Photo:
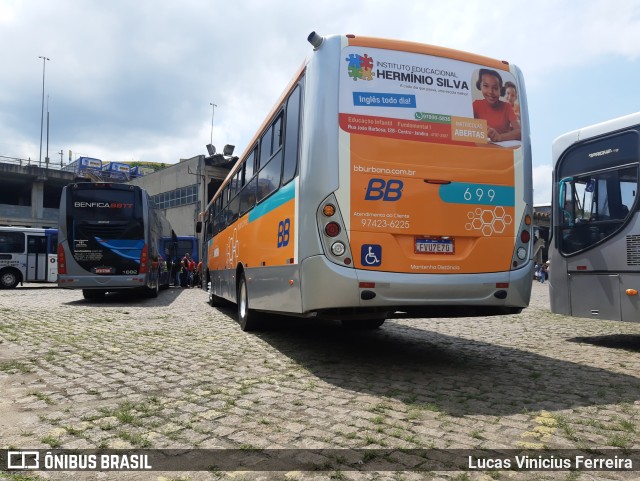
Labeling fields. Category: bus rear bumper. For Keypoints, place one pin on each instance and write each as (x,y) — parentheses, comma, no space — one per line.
(327,285)
(106,283)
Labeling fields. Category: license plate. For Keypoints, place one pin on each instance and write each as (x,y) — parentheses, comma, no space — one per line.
(434,246)
(103,270)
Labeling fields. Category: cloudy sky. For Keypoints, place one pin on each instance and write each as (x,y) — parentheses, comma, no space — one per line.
(133,80)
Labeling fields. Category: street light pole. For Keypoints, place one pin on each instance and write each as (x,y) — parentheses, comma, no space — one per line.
(44,60)
(46,158)
(213,109)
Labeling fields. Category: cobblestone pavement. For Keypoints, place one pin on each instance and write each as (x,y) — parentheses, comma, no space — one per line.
(173,372)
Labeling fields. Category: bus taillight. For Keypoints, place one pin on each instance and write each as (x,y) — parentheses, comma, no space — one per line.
(144,259)
(525,236)
(62,264)
(332,229)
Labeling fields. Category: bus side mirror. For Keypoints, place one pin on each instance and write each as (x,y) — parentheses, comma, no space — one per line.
(198,227)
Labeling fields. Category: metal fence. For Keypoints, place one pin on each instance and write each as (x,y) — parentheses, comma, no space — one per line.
(32,162)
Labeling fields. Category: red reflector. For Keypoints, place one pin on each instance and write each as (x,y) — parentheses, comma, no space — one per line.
(62,262)
(332,229)
(502,285)
(347,261)
(367,285)
(581,268)
(525,236)
(143,259)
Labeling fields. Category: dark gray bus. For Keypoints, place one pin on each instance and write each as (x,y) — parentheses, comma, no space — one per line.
(110,238)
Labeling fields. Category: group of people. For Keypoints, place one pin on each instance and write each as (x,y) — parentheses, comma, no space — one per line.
(187,273)
(542,272)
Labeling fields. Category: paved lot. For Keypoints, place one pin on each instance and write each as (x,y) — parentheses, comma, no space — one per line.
(174,373)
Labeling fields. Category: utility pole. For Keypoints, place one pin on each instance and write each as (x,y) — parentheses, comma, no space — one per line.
(44,63)
(213,109)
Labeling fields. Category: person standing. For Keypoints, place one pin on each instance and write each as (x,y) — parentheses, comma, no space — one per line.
(543,271)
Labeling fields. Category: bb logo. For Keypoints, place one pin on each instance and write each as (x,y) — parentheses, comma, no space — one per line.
(388,191)
(371,255)
(284,228)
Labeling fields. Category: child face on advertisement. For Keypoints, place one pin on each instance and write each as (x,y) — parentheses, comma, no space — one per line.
(490,88)
(510,95)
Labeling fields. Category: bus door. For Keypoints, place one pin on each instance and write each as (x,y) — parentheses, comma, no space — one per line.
(37,262)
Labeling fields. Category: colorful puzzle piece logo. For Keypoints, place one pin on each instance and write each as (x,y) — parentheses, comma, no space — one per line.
(360,67)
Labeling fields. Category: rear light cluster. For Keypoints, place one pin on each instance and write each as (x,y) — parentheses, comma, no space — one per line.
(332,232)
(144,260)
(62,261)
(523,248)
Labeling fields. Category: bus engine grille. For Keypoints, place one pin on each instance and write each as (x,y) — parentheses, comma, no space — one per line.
(633,250)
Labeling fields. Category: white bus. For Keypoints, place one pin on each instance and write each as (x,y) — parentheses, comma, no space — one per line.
(595,246)
(389,176)
(27,255)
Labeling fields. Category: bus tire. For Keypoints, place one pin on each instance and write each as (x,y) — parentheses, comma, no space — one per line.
(246,316)
(9,278)
(152,292)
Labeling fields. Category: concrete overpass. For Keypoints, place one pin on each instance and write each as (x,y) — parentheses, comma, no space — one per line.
(30,195)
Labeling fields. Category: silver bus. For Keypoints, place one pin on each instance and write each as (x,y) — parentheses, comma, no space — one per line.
(594,248)
(110,240)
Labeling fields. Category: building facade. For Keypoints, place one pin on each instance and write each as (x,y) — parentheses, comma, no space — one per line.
(184,189)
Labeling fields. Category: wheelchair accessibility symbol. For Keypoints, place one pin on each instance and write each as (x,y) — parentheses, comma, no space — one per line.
(371,255)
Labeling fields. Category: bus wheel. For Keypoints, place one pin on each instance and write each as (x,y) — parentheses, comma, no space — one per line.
(246,316)
(8,279)
(152,292)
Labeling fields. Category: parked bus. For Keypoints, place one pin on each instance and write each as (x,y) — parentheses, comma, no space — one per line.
(372,187)
(110,240)
(27,255)
(595,246)
(183,244)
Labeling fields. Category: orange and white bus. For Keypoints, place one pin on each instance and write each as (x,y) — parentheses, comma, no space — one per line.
(389,176)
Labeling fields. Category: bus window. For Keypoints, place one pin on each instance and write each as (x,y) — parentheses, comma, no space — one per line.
(265,147)
(249,166)
(270,172)
(595,207)
(291,137)
(248,196)
(12,242)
